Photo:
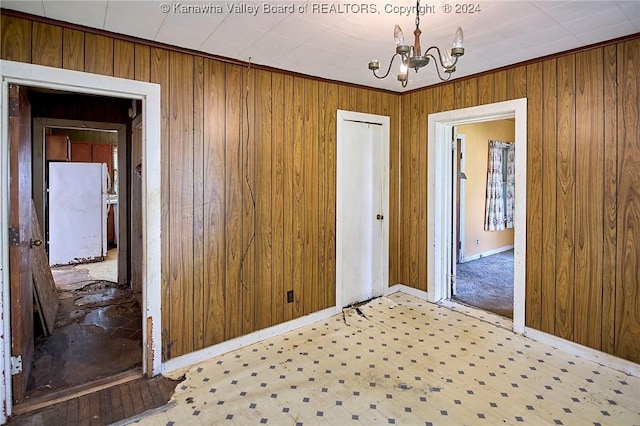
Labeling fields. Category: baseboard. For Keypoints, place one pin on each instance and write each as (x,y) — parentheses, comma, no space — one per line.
(486,253)
(420,294)
(584,352)
(185,361)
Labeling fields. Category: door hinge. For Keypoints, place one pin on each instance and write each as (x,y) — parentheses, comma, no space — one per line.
(452,279)
(453,145)
(14,236)
(16,365)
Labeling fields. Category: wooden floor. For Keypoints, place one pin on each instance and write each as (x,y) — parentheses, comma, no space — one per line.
(106,406)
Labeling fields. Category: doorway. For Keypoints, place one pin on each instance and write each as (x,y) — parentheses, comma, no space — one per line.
(482,269)
(148,96)
(81,200)
(362,230)
(441,212)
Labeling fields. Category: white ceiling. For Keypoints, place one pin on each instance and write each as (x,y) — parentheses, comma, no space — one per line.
(339,45)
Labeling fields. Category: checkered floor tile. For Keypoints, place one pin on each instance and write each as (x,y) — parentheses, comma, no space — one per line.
(400,360)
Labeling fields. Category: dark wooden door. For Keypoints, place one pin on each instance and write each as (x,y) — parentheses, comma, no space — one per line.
(21,287)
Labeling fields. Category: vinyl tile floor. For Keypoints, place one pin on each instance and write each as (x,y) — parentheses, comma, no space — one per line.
(401,360)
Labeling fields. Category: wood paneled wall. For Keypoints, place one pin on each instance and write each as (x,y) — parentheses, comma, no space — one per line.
(248,179)
(248,184)
(583,189)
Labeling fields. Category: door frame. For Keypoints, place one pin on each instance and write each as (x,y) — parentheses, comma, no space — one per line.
(383,121)
(462,186)
(440,203)
(79,82)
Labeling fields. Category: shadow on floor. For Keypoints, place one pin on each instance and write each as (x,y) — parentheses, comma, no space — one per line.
(487,283)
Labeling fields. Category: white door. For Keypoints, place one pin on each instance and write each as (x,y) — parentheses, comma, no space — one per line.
(362,185)
(77,212)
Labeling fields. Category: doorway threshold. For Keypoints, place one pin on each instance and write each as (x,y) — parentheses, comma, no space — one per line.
(55,397)
(470,311)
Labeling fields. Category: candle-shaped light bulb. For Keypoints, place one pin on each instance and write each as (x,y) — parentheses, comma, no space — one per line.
(398,35)
(457,49)
(447,59)
(458,39)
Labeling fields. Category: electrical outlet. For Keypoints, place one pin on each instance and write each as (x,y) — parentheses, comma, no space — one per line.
(290,296)
(477,242)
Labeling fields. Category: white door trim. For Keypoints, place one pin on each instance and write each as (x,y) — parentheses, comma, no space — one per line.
(343,116)
(79,82)
(463,193)
(439,256)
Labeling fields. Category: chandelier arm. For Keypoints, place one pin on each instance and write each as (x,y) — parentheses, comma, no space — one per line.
(435,64)
(388,69)
(437,49)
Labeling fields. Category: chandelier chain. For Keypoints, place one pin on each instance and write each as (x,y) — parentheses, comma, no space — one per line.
(418,14)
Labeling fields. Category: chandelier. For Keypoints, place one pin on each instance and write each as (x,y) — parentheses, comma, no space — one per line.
(412,56)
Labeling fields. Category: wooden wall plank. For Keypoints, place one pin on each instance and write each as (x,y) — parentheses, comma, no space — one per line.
(414,187)
(534,196)
(288,217)
(517,82)
(565,207)
(214,203)
(47,45)
(124,59)
(265,298)
(159,73)
(405,191)
(628,220)
(278,288)
(201,287)
(73,49)
(98,54)
(485,89)
(233,214)
(610,199)
(249,231)
(298,197)
(424,102)
(589,197)
(142,60)
(180,187)
(323,281)
(331,161)
(16,39)
(549,193)
(500,86)
(311,194)
(469,92)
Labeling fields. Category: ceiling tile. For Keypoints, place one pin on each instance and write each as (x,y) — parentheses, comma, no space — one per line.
(124,18)
(33,7)
(604,18)
(631,9)
(89,13)
(614,31)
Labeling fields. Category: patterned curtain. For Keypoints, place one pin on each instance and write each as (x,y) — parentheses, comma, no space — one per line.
(511,184)
(495,215)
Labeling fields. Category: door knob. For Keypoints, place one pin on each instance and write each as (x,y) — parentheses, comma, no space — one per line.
(36,243)
(379,216)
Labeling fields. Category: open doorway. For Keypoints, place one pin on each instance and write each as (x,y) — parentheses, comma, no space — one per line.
(81,185)
(80,200)
(441,230)
(483,258)
(147,96)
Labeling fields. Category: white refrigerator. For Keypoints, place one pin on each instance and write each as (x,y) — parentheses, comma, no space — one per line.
(77,212)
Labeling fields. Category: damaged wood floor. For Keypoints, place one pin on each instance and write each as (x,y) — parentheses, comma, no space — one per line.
(104,407)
